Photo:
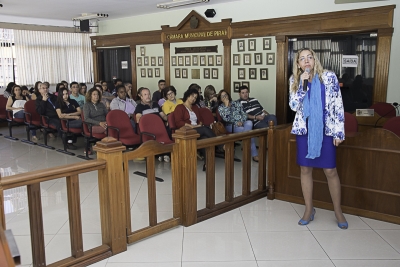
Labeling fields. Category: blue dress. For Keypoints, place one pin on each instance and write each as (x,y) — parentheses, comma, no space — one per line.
(327,158)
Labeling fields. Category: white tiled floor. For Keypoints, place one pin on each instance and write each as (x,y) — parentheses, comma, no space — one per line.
(263,233)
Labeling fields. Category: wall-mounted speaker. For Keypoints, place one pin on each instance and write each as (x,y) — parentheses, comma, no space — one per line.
(210,13)
(84,25)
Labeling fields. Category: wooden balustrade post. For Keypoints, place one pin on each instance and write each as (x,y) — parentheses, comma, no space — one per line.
(186,150)
(271,161)
(112,195)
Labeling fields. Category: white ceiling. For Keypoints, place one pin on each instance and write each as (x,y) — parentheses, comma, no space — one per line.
(68,9)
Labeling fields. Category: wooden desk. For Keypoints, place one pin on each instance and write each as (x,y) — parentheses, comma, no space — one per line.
(366,123)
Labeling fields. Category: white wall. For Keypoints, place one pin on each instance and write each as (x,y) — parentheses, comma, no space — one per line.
(246,10)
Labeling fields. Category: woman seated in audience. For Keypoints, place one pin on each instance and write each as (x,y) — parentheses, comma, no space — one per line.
(82,89)
(7,91)
(36,88)
(122,102)
(162,99)
(106,95)
(200,101)
(69,109)
(233,115)
(188,114)
(16,102)
(27,94)
(210,98)
(95,111)
(171,102)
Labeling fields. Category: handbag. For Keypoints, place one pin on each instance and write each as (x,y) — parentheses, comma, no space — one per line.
(218,128)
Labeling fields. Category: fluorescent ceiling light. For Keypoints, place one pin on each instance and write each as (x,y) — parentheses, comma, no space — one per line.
(91,16)
(176,3)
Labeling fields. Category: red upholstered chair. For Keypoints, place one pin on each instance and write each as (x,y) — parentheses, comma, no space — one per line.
(32,119)
(48,128)
(152,128)
(171,122)
(67,131)
(350,123)
(12,122)
(89,136)
(119,127)
(393,125)
(383,109)
(3,103)
(207,116)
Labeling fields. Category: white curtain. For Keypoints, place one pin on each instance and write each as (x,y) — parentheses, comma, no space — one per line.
(7,57)
(366,52)
(53,57)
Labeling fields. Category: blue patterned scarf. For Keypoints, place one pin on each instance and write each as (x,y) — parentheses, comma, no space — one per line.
(313,111)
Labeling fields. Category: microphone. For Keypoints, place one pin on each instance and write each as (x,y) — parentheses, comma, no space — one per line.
(305,83)
(395,104)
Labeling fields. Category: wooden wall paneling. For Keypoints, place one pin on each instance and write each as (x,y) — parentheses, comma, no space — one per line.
(167,66)
(227,64)
(282,87)
(134,70)
(125,39)
(382,64)
(95,65)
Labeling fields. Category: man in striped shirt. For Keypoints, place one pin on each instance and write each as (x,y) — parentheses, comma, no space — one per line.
(254,110)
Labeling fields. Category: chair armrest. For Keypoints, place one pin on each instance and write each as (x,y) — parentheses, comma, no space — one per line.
(146,133)
(66,124)
(113,128)
(29,115)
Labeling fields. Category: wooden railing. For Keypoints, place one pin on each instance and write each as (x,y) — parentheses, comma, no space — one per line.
(6,259)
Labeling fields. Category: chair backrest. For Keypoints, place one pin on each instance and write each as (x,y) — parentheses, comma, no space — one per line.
(383,109)
(119,119)
(3,104)
(350,123)
(171,121)
(393,125)
(207,116)
(153,124)
(31,115)
(85,127)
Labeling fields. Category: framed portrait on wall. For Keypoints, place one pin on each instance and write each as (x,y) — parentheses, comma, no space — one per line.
(203,61)
(270,58)
(157,72)
(241,46)
(252,44)
(253,73)
(206,73)
(266,43)
(146,61)
(139,61)
(210,60)
(214,73)
(263,74)
(187,61)
(160,61)
(143,73)
(142,51)
(173,61)
(258,58)
(236,59)
(246,84)
(185,73)
(195,73)
(180,60)
(241,73)
(195,60)
(150,73)
(246,59)
(218,60)
(177,73)
(153,61)
(236,86)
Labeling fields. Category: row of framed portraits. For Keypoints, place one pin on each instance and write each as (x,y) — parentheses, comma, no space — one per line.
(150,72)
(252,45)
(195,60)
(208,73)
(236,86)
(253,73)
(150,61)
(257,57)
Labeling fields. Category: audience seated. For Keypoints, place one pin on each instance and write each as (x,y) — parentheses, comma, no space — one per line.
(162,99)
(171,102)
(122,102)
(45,106)
(117,82)
(106,96)
(7,92)
(82,89)
(128,88)
(200,102)
(69,109)
(232,113)
(80,99)
(95,111)
(210,98)
(27,94)
(147,106)
(157,94)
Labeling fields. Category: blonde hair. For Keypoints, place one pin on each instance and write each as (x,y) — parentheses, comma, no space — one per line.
(297,71)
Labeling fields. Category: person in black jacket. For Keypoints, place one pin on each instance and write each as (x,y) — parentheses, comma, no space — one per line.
(46,106)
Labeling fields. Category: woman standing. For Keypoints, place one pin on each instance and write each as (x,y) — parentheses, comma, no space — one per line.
(232,113)
(318,126)
(171,102)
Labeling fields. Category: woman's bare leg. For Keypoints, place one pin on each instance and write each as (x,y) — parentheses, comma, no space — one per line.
(307,188)
(334,188)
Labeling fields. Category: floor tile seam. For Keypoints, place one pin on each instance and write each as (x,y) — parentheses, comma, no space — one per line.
(137,193)
(326,253)
(248,237)
(371,226)
(387,242)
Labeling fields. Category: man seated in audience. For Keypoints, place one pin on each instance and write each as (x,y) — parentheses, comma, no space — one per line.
(157,95)
(117,82)
(147,106)
(122,102)
(75,95)
(254,110)
(46,106)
